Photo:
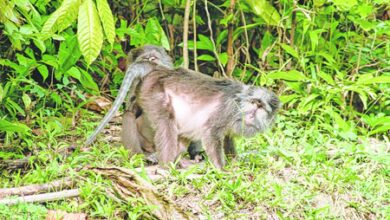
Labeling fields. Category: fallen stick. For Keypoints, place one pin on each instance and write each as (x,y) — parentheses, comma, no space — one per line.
(15,164)
(56,185)
(46,197)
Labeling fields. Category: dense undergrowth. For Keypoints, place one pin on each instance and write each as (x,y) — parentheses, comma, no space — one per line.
(329,61)
(293,171)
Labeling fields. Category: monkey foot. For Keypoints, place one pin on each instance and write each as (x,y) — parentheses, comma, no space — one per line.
(151,159)
(198,158)
(185,163)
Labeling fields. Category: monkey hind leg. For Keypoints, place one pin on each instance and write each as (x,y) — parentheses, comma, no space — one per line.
(214,150)
(130,135)
(166,140)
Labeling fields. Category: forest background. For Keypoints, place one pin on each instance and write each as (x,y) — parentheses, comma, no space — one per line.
(329,60)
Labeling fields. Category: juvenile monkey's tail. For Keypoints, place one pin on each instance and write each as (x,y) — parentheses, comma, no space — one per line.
(134,73)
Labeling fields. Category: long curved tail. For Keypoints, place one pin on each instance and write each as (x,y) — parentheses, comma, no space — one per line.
(134,72)
(115,107)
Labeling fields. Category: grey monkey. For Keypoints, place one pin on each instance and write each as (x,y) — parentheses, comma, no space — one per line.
(184,105)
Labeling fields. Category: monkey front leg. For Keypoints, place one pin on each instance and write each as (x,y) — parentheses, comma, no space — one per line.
(214,150)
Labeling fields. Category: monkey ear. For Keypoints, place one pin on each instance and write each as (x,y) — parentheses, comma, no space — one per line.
(133,54)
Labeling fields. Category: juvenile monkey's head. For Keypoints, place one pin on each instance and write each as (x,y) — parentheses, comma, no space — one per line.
(257,110)
(151,53)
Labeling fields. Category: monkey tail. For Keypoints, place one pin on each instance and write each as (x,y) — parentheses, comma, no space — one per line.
(134,72)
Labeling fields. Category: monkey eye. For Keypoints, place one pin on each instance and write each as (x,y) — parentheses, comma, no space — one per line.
(257,102)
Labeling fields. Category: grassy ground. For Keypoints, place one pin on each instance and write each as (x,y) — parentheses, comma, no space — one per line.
(293,171)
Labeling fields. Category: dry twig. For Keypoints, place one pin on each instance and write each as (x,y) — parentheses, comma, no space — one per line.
(212,38)
(231,62)
(46,197)
(56,185)
(185,34)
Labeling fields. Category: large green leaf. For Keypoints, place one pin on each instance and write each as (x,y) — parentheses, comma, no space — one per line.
(107,19)
(62,18)
(89,31)
(292,75)
(265,10)
(7,126)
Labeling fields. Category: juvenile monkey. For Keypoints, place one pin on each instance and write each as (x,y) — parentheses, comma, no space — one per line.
(186,105)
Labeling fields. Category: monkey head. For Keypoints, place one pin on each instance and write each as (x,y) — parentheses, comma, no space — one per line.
(150,53)
(257,110)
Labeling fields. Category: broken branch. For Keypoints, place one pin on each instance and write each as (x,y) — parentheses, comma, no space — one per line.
(37,188)
(46,197)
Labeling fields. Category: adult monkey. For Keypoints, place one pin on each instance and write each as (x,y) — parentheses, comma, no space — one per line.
(136,131)
(184,105)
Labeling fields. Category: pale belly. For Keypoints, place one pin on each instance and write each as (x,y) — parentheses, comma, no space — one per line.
(191,116)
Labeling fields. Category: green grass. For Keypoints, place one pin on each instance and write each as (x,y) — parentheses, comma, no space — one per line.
(293,171)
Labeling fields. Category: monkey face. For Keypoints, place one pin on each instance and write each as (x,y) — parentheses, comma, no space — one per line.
(257,109)
(154,54)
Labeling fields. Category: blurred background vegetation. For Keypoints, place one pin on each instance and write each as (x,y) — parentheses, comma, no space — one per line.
(328,59)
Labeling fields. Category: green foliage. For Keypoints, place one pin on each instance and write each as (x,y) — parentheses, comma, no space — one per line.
(265,10)
(89,31)
(332,71)
(330,58)
(107,20)
(62,18)
(327,59)
(294,171)
(23,211)
(152,33)
(13,127)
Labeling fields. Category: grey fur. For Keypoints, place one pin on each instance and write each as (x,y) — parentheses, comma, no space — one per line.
(141,65)
(137,135)
(237,109)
